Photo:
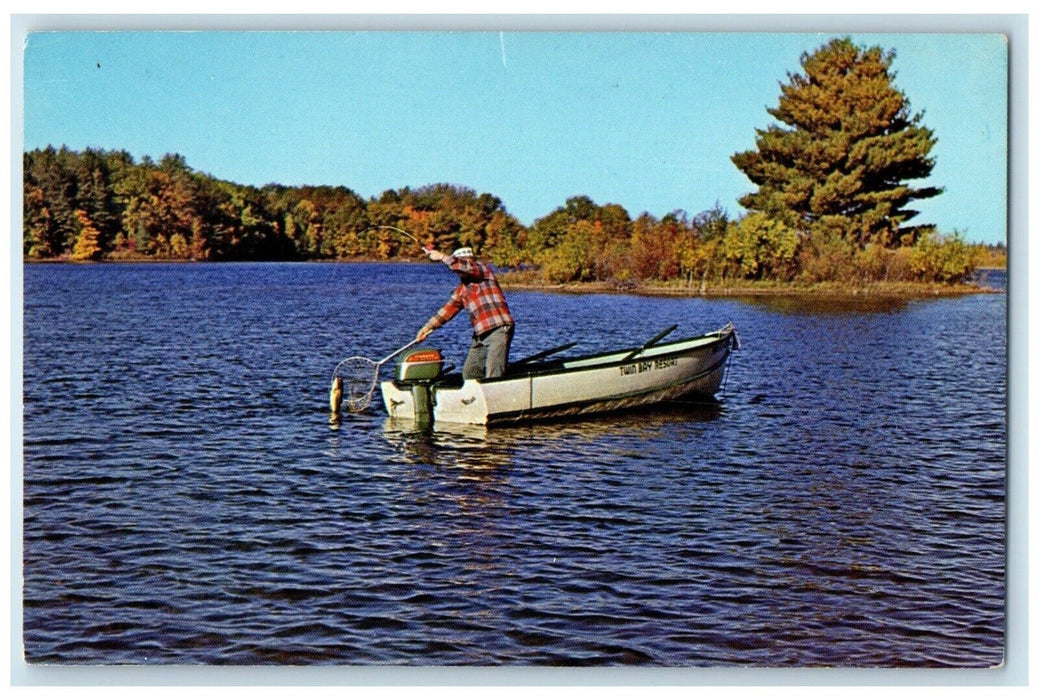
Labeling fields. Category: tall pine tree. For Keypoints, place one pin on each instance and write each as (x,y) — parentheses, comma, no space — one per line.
(840,166)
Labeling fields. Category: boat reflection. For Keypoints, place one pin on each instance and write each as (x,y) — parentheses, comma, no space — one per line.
(480,447)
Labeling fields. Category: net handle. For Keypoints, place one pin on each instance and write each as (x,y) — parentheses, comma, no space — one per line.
(393,354)
(375,365)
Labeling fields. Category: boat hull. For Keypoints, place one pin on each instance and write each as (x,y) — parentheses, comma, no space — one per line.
(581,386)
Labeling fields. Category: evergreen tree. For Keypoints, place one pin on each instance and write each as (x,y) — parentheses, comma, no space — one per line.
(94,194)
(35,224)
(841,167)
(53,215)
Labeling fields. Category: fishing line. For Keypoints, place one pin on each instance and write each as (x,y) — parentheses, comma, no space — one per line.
(335,270)
(355,378)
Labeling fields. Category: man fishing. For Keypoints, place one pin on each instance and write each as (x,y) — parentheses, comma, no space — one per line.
(479,294)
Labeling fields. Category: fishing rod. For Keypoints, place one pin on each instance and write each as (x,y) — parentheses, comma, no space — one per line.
(394,228)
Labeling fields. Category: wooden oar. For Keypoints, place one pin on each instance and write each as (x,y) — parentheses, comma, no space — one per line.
(649,343)
(543,354)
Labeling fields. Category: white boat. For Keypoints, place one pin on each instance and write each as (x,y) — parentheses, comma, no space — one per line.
(536,388)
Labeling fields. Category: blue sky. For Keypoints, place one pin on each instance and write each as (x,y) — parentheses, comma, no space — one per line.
(645,120)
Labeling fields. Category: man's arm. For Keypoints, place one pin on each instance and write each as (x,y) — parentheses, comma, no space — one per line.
(445,314)
(466,266)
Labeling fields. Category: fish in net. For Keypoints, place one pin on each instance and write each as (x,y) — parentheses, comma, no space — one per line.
(356,378)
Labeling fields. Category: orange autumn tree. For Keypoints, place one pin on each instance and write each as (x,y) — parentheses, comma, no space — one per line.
(88,246)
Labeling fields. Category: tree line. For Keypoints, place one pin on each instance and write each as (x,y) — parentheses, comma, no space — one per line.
(102,205)
(833,203)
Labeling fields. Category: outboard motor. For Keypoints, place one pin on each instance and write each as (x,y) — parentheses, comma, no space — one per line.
(418,369)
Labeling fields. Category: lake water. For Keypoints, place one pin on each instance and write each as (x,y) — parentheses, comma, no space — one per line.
(186,500)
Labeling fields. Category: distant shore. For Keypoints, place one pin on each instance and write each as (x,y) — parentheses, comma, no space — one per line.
(743,288)
(528,281)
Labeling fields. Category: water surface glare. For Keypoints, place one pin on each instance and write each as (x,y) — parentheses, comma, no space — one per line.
(187,502)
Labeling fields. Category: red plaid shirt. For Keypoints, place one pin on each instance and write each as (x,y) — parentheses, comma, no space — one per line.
(478,293)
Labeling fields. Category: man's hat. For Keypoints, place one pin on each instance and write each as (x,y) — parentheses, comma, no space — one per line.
(463,253)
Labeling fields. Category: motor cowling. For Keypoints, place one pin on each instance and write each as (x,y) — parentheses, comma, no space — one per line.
(420,365)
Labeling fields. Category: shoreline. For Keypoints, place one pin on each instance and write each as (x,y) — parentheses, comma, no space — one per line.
(513,281)
(830,291)
(878,292)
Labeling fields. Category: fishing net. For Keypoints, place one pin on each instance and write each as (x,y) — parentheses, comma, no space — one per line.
(356,377)
(359,377)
